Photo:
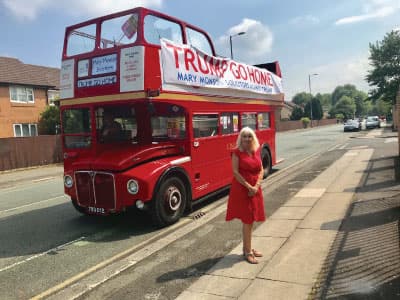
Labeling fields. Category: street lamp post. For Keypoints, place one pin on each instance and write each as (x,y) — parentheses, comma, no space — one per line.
(230,40)
(309,87)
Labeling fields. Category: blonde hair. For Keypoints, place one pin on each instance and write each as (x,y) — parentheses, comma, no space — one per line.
(247,131)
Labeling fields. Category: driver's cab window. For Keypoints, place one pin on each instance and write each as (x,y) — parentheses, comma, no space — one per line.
(115,124)
(168,122)
(156,28)
(198,40)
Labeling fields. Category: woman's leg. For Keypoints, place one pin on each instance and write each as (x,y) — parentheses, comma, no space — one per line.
(247,229)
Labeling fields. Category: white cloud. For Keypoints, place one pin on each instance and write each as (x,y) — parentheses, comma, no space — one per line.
(351,71)
(250,47)
(31,9)
(372,9)
(304,20)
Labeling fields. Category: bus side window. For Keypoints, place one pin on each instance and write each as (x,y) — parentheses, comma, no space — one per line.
(205,125)
(263,121)
(249,120)
(229,123)
(156,28)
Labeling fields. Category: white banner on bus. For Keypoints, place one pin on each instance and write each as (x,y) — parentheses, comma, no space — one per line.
(186,65)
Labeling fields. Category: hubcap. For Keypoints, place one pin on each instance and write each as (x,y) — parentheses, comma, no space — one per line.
(173,198)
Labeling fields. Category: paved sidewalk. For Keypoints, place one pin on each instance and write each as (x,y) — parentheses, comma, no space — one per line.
(295,240)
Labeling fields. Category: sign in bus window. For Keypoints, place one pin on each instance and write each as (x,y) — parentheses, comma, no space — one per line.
(263,121)
(229,123)
(156,28)
(205,125)
(119,31)
(249,120)
(81,40)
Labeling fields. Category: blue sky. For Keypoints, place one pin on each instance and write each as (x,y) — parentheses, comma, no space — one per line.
(327,37)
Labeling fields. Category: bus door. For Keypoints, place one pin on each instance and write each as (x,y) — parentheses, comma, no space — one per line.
(209,157)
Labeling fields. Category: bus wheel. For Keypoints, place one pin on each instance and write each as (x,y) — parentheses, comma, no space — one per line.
(266,162)
(170,202)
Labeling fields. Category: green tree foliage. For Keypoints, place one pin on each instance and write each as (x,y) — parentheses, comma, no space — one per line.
(49,120)
(359,99)
(297,113)
(317,112)
(385,73)
(301,98)
(346,106)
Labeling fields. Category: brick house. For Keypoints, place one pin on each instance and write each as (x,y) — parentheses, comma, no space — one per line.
(25,91)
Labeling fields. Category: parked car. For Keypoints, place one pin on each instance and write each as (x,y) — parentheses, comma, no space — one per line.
(372,122)
(352,125)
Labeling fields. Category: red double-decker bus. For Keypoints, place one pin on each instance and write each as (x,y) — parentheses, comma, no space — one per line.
(150,114)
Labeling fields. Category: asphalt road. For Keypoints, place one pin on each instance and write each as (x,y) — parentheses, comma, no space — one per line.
(47,244)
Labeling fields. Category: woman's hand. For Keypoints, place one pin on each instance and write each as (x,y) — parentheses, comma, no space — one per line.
(253,190)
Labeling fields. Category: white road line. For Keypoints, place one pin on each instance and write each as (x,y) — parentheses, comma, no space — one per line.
(43,179)
(40,254)
(344,146)
(31,204)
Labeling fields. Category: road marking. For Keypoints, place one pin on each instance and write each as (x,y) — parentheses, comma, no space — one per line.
(40,254)
(42,179)
(344,146)
(31,204)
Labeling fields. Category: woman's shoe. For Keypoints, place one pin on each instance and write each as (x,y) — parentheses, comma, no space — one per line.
(250,258)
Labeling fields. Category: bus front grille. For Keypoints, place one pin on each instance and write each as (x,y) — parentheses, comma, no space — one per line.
(95,189)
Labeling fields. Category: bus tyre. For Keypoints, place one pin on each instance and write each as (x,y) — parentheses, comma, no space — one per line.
(169,202)
(266,162)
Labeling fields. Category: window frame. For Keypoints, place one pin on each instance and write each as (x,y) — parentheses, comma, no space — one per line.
(17,93)
(30,126)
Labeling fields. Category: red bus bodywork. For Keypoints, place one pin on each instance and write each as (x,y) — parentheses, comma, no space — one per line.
(176,140)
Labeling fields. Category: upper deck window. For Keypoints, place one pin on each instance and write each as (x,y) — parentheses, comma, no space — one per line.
(81,40)
(119,31)
(156,28)
(198,40)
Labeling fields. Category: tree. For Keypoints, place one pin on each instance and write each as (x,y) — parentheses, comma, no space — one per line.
(385,73)
(346,106)
(301,99)
(343,90)
(49,120)
(297,113)
(317,112)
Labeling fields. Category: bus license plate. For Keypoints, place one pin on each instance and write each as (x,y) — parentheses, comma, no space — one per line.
(96,210)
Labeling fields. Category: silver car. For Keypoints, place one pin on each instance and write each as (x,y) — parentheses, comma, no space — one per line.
(372,122)
(352,125)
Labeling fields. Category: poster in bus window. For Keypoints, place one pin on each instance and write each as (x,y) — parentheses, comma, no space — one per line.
(173,128)
(235,123)
(260,121)
(132,69)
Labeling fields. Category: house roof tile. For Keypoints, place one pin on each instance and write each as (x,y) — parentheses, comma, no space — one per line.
(14,71)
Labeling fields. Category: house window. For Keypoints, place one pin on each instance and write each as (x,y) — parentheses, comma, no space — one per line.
(21,130)
(21,94)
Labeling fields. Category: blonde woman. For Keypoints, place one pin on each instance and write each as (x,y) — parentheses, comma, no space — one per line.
(245,198)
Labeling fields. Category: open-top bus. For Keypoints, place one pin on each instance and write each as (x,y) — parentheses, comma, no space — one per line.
(174,107)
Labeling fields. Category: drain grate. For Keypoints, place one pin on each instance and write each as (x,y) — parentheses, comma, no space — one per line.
(198,215)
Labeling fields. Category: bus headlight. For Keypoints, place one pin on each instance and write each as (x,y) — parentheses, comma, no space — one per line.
(133,187)
(68,181)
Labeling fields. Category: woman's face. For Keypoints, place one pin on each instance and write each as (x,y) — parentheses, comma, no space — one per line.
(247,141)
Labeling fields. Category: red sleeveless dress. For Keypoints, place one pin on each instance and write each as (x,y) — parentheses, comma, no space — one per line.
(240,204)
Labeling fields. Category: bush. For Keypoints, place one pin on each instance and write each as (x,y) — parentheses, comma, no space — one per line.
(305,122)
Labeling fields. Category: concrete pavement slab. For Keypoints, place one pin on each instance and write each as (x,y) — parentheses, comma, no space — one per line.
(220,285)
(188,295)
(330,208)
(276,228)
(291,213)
(234,265)
(310,192)
(262,289)
(300,201)
(300,259)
